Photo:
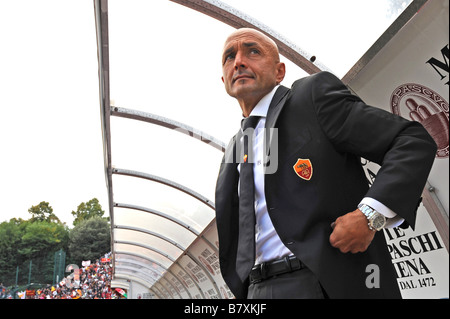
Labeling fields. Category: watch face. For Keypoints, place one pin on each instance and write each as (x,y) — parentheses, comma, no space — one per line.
(378,222)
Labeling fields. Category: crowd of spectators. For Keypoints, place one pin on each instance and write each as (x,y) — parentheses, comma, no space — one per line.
(5,293)
(91,281)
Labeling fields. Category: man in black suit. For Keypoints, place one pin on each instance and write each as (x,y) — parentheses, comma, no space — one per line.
(312,228)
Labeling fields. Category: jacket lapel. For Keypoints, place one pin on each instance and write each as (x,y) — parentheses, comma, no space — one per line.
(276,106)
(228,176)
(271,133)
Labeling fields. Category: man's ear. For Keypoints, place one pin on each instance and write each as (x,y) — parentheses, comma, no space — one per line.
(281,72)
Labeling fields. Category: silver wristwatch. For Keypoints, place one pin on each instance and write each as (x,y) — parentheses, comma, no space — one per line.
(376,221)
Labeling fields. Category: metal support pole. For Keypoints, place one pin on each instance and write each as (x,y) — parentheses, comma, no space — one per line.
(29,272)
(17,275)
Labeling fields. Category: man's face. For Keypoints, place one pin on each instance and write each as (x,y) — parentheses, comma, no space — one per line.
(251,66)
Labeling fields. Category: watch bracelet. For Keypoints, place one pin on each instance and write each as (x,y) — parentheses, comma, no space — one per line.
(363,208)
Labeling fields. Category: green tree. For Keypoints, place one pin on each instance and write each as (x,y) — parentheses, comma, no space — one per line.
(43,212)
(10,239)
(88,210)
(22,241)
(89,239)
(39,243)
(41,237)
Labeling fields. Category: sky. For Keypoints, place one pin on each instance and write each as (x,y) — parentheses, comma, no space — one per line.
(165,59)
(50,133)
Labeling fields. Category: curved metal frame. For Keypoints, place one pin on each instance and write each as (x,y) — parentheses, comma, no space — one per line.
(145,258)
(118,267)
(189,275)
(132,243)
(167,269)
(171,285)
(158,213)
(120,252)
(236,19)
(149,232)
(214,284)
(132,261)
(129,276)
(156,291)
(137,272)
(116,283)
(161,288)
(168,123)
(140,264)
(166,182)
(181,283)
(101,10)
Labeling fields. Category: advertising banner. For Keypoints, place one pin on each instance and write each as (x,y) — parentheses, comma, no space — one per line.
(198,273)
(409,77)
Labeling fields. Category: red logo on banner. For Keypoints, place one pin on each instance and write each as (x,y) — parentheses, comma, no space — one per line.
(303,168)
(425,106)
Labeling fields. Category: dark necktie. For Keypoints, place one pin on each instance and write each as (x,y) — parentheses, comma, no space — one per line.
(246,244)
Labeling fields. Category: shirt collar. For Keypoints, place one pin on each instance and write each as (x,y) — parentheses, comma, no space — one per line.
(263,105)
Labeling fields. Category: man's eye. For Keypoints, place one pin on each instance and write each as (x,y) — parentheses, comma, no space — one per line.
(254,51)
(227,58)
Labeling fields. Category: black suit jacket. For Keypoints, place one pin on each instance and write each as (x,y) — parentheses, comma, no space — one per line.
(320,120)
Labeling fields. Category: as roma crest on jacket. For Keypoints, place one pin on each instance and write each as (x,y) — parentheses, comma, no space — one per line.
(303,168)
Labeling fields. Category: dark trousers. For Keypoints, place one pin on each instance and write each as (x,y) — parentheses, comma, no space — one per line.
(299,284)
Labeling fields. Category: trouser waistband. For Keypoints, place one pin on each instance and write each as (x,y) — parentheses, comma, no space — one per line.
(269,269)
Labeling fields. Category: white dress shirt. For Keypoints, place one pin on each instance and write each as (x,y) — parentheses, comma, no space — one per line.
(268,244)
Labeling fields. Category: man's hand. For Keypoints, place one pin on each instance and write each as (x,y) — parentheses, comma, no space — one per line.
(351,233)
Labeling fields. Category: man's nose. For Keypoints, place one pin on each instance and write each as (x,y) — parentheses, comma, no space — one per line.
(239,61)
